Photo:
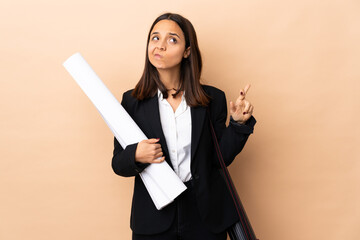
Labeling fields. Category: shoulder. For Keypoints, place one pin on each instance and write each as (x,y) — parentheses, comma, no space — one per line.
(128,101)
(213,91)
(217,96)
(127,93)
(217,105)
(128,97)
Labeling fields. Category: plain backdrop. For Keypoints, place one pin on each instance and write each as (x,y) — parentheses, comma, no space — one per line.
(298,176)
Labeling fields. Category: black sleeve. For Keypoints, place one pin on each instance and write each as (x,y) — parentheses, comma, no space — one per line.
(123,160)
(232,138)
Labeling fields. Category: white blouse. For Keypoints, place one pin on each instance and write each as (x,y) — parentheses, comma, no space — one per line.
(177,130)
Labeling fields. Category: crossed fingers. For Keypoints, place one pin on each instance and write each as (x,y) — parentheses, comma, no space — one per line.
(242,110)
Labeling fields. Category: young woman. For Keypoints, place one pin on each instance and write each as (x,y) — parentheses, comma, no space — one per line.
(174,111)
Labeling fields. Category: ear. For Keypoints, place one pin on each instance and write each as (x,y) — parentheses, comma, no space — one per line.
(187,52)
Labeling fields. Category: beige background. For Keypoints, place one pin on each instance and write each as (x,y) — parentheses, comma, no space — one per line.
(298,175)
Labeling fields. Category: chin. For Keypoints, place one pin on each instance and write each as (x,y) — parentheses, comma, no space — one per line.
(159,66)
(156,65)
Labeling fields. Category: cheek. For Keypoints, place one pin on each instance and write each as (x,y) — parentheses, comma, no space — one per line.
(178,54)
(150,48)
(149,53)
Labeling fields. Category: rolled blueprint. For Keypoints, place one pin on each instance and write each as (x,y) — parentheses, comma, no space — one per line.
(160,180)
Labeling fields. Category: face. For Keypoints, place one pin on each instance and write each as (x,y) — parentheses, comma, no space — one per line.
(166,47)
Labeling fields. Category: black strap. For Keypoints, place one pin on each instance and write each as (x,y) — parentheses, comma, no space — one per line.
(239,207)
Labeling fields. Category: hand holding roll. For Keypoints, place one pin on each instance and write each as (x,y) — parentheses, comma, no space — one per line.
(149,151)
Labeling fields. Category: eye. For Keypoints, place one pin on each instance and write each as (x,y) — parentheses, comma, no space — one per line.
(173,40)
(155,38)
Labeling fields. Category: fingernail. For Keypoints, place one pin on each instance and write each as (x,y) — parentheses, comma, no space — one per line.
(244,113)
(241,93)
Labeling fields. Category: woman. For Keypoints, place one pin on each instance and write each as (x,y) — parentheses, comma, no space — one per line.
(174,111)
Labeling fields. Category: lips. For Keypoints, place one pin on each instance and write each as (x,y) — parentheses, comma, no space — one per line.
(158,56)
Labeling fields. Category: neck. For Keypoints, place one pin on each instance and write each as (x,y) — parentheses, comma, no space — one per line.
(170,77)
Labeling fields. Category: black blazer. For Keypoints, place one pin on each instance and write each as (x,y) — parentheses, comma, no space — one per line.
(214,201)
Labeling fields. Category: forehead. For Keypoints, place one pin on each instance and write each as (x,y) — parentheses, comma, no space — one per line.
(166,26)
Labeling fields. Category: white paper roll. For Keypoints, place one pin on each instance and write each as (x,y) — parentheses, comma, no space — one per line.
(160,180)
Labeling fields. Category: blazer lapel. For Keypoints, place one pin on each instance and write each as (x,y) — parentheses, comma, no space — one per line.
(151,109)
(197,121)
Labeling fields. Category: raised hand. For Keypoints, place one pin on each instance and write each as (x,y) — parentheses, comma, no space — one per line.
(242,110)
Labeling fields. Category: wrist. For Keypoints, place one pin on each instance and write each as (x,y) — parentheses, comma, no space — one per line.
(241,122)
(237,121)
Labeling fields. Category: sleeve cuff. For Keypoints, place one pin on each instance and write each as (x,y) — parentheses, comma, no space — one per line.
(137,166)
(246,128)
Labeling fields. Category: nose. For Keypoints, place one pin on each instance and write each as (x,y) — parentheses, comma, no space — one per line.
(161,45)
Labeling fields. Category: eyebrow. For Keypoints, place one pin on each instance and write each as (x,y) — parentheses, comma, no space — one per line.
(172,34)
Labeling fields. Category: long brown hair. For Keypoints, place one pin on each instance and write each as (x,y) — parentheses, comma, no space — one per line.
(190,70)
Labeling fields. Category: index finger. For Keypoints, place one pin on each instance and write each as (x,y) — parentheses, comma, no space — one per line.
(246,89)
